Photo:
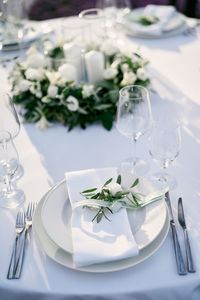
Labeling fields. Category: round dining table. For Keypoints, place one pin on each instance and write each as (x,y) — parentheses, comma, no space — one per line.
(46,155)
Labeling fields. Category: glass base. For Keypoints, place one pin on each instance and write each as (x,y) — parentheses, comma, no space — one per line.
(12,199)
(137,166)
(164,181)
(17,175)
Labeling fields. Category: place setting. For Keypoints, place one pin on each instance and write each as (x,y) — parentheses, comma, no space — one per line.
(97,159)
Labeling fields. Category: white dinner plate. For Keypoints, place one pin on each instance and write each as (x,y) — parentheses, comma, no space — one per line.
(146,223)
(176,25)
(65,258)
(33,33)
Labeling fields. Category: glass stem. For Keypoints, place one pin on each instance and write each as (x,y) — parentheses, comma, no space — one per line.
(8,184)
(135,148)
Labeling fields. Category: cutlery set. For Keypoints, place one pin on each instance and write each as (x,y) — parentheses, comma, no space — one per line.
(181,267)
(23,224)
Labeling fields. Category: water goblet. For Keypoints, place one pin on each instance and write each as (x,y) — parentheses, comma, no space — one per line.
(9,162)
(9,121)
(164,147)
(133,120)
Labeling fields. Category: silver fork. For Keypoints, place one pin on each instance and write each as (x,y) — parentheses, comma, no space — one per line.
(20,258)
(20,225)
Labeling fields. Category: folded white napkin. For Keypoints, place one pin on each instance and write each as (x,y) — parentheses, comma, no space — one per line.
(163,12)
(97,242)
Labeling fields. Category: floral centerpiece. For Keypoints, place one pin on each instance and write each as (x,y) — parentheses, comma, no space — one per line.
(49,88)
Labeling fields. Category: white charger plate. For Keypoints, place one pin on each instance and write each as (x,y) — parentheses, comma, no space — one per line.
(146,223)
(176,25)
(65,258)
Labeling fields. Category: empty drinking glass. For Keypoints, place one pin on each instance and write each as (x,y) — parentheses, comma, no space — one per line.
(164,147)
(9,121)
(133,120)
(9,162)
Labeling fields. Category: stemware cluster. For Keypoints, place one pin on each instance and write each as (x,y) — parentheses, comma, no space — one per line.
(134,119)
(10,170)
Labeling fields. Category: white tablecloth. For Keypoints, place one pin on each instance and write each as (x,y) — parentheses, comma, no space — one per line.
(46,156)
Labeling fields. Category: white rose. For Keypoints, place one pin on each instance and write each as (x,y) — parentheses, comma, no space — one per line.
(43,124)
(72,103)
(23,85)
(45,99)
(33,74)
(88,90)
(36,60)
(141,74)
(52,91)
(128,78)
(109,49)
(53,77)
(114,187)
(124,68)
(67,72)
(110,73)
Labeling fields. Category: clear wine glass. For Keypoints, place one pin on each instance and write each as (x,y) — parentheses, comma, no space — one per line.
(9,162)
(9,121)
(164,147)
(114,11)
(133,120)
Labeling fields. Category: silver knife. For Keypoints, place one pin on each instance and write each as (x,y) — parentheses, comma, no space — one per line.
(181,219)
(179,257)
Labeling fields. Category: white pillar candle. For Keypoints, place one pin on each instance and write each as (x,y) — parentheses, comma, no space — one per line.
(94,61)
(73,54)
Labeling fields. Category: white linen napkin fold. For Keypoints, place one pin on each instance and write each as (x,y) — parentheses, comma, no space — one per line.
(97,242)
(163,12)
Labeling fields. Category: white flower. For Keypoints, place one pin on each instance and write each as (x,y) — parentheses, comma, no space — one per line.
(72,103)
(114,187)
(88,90)
(43,124)
(110,73)
(53,77)
(23,85)
(36,60)
(67,72)
(116,63)
(33,74)
(52,91)
(124,68)
(35,89)
(45,99)
(109,48)
(141,74)
(128,78)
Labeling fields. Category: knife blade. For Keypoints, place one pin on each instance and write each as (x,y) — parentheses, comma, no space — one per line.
(177,249)
(181,219)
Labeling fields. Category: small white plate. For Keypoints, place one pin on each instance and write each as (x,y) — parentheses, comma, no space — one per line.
(176,25)
(64,258)
(146,223)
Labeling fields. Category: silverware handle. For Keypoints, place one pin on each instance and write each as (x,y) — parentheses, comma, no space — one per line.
(12,262)
(20,258)
(179,257)
(190,264)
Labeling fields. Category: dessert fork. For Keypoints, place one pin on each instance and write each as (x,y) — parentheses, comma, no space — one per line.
(20,258)
(19,227)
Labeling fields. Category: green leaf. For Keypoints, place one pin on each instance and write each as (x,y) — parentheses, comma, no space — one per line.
(102,106)
(119,179)
(99,216)
(89,191)
(95,196)
(113,95)
(107,119)
(107,182)
(135,183)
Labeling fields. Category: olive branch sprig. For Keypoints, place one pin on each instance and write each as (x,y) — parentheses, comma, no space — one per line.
(105,195)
